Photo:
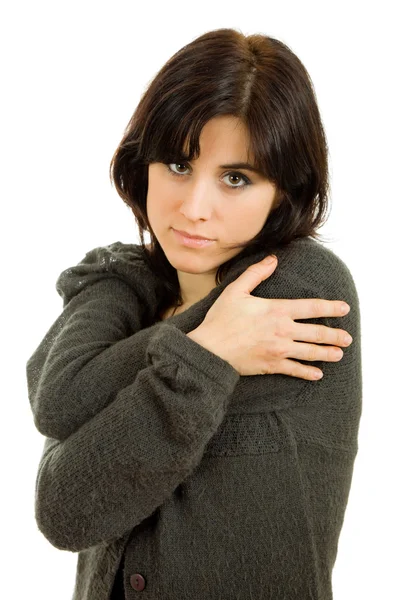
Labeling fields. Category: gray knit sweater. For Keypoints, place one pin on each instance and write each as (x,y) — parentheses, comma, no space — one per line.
(160,459)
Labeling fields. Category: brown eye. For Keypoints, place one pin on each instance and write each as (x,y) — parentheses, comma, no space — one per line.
(232,174)
(179,164)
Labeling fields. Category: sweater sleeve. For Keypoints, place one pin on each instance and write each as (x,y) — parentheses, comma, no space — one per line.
(124,462)
(87,356)
(324,423)
(92,350)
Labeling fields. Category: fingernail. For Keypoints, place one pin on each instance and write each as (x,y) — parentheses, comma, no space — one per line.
(269,260)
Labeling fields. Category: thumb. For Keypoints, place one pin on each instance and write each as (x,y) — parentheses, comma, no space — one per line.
(255,274)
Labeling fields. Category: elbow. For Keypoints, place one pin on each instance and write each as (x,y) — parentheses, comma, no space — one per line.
(51,525)
(55,511)
(63,534)
(52,534)
(51,426)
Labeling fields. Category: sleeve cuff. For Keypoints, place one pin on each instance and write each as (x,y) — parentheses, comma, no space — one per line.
(169,342)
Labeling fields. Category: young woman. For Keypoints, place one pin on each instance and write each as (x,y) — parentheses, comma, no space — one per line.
(169,464)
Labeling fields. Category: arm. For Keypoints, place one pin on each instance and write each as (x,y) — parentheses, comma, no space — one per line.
(91,350)
(123,463)
(87,356)
(324,421)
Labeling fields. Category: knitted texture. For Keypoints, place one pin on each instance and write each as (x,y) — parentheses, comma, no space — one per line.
(163,464)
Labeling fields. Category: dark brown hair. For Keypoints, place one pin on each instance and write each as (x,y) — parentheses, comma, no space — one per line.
(259,80)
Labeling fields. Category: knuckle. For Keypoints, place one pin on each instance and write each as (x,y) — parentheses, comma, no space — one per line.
(319,333)
(275,351)
(284,326)
(317,306)
(268,369)
(278,312)
(279,350)
(312,353)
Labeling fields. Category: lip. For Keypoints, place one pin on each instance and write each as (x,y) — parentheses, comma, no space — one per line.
(190,242)
(193,237)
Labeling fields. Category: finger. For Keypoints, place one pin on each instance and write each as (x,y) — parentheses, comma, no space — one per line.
(320,334)
(296,369)
(253,276)
(314,352)
(310,308)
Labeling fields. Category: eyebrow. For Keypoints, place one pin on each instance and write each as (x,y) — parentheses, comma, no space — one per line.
(238,165)
(242,165)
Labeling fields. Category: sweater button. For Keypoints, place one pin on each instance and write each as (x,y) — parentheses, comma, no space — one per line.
(137,582)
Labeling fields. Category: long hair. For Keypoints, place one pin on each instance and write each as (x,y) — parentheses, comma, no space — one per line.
(259,80)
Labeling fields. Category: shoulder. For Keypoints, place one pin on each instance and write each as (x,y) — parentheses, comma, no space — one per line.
(306,269)
(326,412)
(115,254)
(124,262)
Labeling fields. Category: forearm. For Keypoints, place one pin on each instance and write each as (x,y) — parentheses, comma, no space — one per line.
(122,464)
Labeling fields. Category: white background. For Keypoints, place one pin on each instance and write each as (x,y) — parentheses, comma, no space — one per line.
(72,74)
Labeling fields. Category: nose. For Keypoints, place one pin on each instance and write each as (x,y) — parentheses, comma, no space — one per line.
(197,202)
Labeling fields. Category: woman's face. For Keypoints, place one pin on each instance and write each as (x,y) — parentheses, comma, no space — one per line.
(205,199)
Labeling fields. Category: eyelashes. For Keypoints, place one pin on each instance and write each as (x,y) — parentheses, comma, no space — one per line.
(232,187)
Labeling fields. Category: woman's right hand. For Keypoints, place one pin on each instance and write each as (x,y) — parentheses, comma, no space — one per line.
(257,335)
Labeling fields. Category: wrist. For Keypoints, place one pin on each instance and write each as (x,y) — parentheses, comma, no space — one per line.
(195,336)
(203,338)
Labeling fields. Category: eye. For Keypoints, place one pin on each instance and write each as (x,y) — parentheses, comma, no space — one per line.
(232,173)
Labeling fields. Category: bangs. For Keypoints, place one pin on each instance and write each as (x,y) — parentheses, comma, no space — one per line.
(173,139)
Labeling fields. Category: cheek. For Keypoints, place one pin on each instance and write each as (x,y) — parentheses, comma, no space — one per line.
(242,223)
(159,211)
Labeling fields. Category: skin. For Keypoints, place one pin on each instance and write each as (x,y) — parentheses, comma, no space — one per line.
(206,200)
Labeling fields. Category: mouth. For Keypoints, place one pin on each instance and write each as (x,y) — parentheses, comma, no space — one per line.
(193,237)
(191,242)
